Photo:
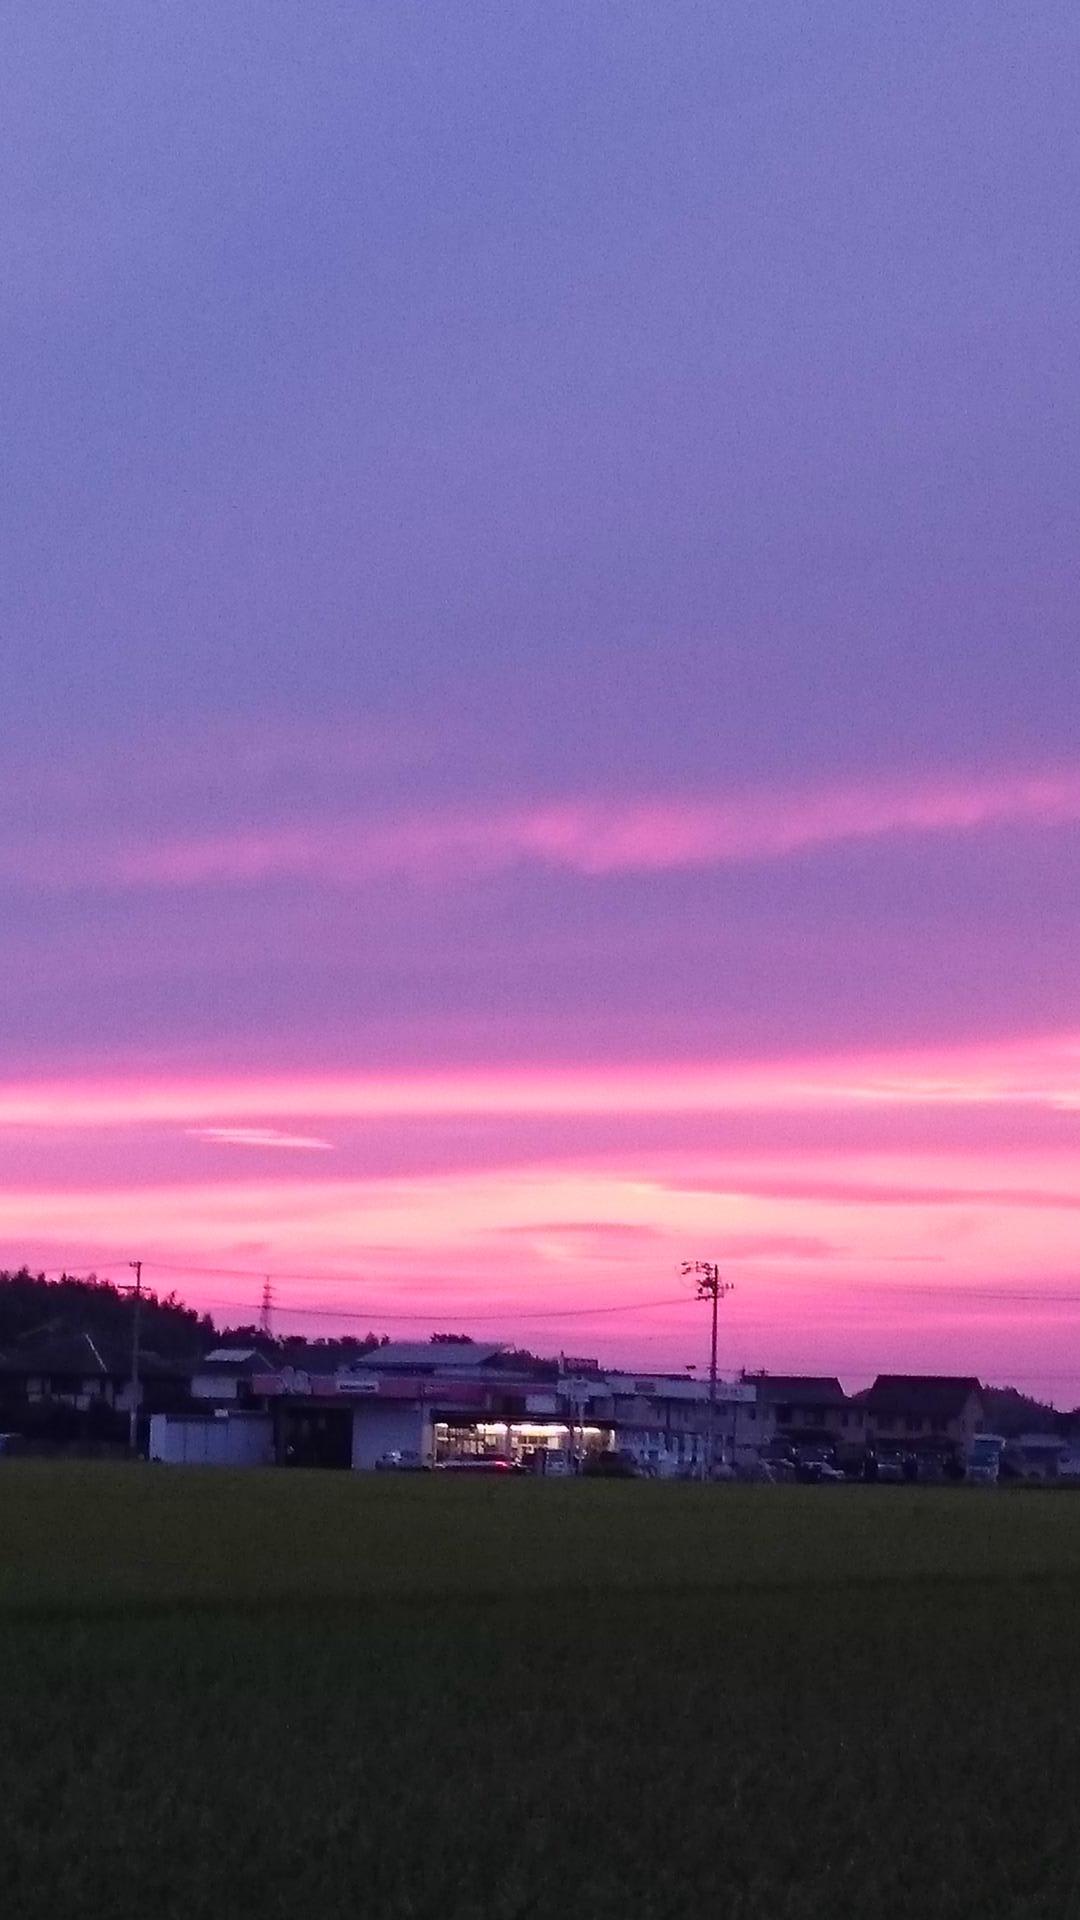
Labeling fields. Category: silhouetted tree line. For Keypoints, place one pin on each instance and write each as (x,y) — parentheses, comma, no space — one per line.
(295,1347)
(1011,1413)
(35,1305)
(32,1303)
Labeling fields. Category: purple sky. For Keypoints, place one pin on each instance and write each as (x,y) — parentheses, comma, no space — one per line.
(541,539)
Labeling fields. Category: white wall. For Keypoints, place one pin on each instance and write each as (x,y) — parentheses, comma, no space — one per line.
(755,1426)
(380,1428)
(215,1386)
(239,1440)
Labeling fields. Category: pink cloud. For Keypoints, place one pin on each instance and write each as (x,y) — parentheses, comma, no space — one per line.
(584,836)
(496,1247)
(606,1236)
(870,1193)
(773,1246)
(260,1137)
(1033,1074)
(606,1231)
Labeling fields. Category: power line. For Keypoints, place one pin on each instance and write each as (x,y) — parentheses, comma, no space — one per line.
(477,1314)
(509,1315)
(881,1290)
(956,1294)
(367,1312)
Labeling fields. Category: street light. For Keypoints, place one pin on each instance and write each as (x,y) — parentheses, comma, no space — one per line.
(710,1287)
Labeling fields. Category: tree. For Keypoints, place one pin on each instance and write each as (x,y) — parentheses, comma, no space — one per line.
(31,1303)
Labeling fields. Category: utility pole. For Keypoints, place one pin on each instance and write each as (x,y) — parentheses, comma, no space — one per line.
(136,1310)
(710,1287)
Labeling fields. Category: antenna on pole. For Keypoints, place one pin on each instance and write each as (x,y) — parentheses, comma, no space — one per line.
(266,1311)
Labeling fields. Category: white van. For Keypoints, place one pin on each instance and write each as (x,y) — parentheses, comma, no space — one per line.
(983,1458)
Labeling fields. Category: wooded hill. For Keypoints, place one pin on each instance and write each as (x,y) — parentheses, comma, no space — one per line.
(33,1305)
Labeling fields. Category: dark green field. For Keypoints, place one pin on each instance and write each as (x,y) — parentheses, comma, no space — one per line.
(318,1694)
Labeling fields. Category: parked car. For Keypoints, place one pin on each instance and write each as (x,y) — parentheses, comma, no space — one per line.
(400,1460)
(755,1472)
(478,1463)
(890,1466)
(812,1469)
(610,1464)
(780,1468)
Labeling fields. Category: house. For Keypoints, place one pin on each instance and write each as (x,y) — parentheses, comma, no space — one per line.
(805,1410)
(430,1357)
(226,1375)
(662,1422)
(935,1415)
(82,1370)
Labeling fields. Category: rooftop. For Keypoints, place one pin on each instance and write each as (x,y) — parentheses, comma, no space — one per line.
(934,1396)
(800,1389)
(60,1350)
(425,1356)
(235,1360)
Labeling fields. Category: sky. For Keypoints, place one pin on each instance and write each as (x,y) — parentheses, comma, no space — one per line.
(539,673)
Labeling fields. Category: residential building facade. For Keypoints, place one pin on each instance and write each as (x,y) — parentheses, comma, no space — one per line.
(932,1416)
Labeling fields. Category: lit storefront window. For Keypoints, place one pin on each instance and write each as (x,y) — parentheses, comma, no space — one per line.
(515,1439)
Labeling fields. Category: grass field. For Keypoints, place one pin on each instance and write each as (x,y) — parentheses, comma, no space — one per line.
(416,1699)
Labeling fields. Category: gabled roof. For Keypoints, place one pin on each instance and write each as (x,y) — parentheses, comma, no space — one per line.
(235,1360)
(799,1389)
(932,1396)
(55,1352)
(82,1355)
(426,1356)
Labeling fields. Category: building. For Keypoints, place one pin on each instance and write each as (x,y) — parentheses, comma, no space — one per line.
(1037,1456)
(222,1439)
(432,1400)
(437,1357)
(662,1422)
(83,1371)
(931,1416)
(805,1410)
(436,1401)
(225,1376)
(74,1389)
